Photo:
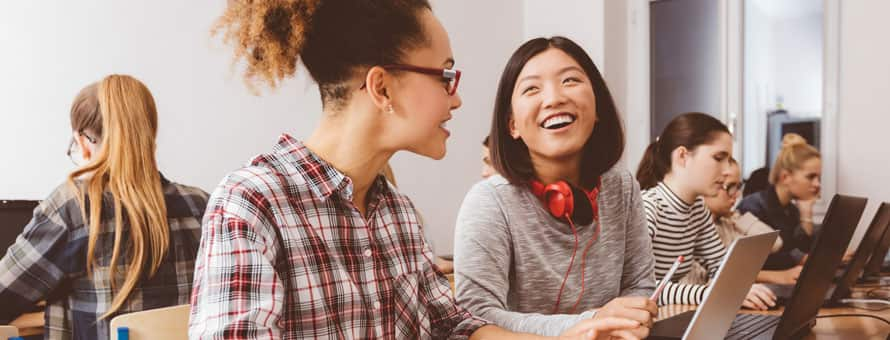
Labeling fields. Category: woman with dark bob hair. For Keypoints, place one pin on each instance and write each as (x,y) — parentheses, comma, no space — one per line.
(559,236)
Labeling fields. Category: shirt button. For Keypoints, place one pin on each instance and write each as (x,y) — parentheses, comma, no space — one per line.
(368,252)
(376,304)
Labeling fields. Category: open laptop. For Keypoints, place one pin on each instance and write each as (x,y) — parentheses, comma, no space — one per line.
(725,295)
(875,264)
(14,216)
(853,270)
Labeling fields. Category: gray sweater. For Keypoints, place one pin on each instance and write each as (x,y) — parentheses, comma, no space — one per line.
(511,255)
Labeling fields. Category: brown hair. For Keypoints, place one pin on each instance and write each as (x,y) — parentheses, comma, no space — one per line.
(795,151)
(125,168)
(335,39)
(603,148)
(688,130)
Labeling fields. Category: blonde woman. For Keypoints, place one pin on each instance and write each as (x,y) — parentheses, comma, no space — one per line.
(118,237)
(787,204)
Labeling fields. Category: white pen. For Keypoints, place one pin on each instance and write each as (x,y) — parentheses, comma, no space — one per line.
(666,279)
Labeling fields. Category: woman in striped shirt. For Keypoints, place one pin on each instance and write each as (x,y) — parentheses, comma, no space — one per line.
(690,159)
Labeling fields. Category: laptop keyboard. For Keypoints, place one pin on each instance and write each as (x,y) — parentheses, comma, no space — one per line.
(747,326)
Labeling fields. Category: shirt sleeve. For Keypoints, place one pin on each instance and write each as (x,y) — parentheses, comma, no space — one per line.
(36,264)
(638,277)
(237,292)
(448,319)
(682,294)
(482,265)
(709,250)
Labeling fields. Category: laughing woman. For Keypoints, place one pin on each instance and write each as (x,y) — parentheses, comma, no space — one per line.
(522,260)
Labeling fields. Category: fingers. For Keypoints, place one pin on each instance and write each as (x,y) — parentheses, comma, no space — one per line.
(597,328)
(629,335)
(760,298)
(638,302)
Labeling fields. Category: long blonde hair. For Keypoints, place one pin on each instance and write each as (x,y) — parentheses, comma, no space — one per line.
(795,151)
(125,167)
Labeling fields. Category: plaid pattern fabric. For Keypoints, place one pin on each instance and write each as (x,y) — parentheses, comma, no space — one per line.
(48,262)
(350,277)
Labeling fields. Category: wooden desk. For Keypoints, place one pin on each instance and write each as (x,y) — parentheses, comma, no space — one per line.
(826,328)
(29,324)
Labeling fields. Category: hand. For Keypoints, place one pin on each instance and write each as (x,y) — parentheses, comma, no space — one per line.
(602,328)
(806,207)
(759,298)
(444,265)
(636,308)
(785,277)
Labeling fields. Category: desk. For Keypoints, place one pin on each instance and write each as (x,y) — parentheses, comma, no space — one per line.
(827,328)
(29,324)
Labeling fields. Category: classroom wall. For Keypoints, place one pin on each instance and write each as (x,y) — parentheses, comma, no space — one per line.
(863,158)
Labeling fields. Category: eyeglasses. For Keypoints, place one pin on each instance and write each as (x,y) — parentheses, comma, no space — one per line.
(450,77)
(73,151)
(732,188)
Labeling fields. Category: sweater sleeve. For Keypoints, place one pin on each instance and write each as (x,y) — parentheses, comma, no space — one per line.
(483,255)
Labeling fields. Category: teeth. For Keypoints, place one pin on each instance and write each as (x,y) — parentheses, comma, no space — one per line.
(443,124)
(558,120)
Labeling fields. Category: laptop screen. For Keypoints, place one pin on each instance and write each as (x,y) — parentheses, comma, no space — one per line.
(877,256)
(825,256)
(14,216)
(866,247)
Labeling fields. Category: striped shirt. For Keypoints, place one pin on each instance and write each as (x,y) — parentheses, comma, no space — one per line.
(681,229)
(48,262)
(285,254)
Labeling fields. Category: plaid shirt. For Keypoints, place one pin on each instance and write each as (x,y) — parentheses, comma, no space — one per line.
(48,262)
(350,277)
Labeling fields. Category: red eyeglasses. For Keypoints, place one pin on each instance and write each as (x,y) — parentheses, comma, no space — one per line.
(450,77)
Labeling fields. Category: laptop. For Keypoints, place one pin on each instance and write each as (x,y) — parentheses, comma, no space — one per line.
(851,272)
(14,216)
(723,298)
(875,264)
(815,279)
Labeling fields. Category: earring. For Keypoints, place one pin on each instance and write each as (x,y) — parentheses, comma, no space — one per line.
(389,109)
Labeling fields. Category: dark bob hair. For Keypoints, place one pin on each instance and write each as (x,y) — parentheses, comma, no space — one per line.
(601,151)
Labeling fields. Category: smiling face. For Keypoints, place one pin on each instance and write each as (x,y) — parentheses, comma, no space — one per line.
(553,106)
(420,101)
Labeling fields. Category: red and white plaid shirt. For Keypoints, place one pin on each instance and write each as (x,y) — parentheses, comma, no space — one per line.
(350,277)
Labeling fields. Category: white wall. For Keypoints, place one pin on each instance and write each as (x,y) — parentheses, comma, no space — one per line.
(580,20)
(863,157)
(210,124)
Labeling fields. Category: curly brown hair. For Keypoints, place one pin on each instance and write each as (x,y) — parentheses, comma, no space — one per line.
(335,39)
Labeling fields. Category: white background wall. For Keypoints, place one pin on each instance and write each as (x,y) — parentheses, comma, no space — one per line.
(863,155)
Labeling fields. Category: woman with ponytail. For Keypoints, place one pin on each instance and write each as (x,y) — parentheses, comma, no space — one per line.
(309,240)
(118,237)
(690,160)
(787,204)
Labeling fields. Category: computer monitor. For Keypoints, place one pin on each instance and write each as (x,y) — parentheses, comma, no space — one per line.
(873,235)
(781,123)
(14,216)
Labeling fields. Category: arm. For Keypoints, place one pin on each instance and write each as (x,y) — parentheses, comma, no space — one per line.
(638,278)
(709,250)
(482,261)
(237,293)
(38,261)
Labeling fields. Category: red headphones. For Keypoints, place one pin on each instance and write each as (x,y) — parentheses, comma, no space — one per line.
(570,204)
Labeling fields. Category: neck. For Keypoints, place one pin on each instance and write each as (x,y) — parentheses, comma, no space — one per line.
(552,170)
(687,195)
(784,195)
(348,140)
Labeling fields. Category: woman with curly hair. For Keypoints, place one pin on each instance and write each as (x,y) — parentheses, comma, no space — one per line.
(309,240)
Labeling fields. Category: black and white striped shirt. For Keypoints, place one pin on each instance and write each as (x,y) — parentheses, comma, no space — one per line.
(678,228)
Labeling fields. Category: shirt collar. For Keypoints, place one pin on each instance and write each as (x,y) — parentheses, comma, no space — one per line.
(320,176)
(673,200)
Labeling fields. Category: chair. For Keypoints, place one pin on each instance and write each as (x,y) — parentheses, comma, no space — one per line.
(7,332)
(170,323)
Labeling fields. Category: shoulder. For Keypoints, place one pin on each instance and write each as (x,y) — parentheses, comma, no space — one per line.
(183,200)
(753,203)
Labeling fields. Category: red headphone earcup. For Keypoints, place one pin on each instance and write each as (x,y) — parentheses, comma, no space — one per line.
(559,198)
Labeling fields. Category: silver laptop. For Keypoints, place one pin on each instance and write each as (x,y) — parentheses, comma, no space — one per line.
(725,295)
